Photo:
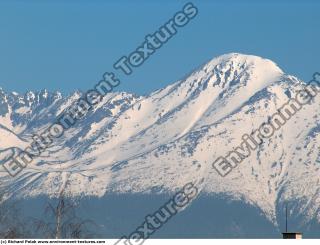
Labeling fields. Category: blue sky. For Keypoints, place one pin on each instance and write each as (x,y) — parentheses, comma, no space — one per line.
(68,45)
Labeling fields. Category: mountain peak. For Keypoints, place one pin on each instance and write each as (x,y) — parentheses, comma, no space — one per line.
(240,70)
(244,60)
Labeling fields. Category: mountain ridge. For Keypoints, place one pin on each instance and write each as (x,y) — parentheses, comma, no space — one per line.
(137,144)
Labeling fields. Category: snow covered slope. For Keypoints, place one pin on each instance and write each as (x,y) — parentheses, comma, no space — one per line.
(160,142)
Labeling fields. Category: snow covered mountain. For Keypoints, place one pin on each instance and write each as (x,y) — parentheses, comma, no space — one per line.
(160,142)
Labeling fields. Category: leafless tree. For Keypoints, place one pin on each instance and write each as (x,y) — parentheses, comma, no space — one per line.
(62,221)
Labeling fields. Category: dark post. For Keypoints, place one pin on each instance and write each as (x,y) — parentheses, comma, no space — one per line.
(286,217)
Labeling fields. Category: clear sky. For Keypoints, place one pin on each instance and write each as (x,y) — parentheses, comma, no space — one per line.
(68,45)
